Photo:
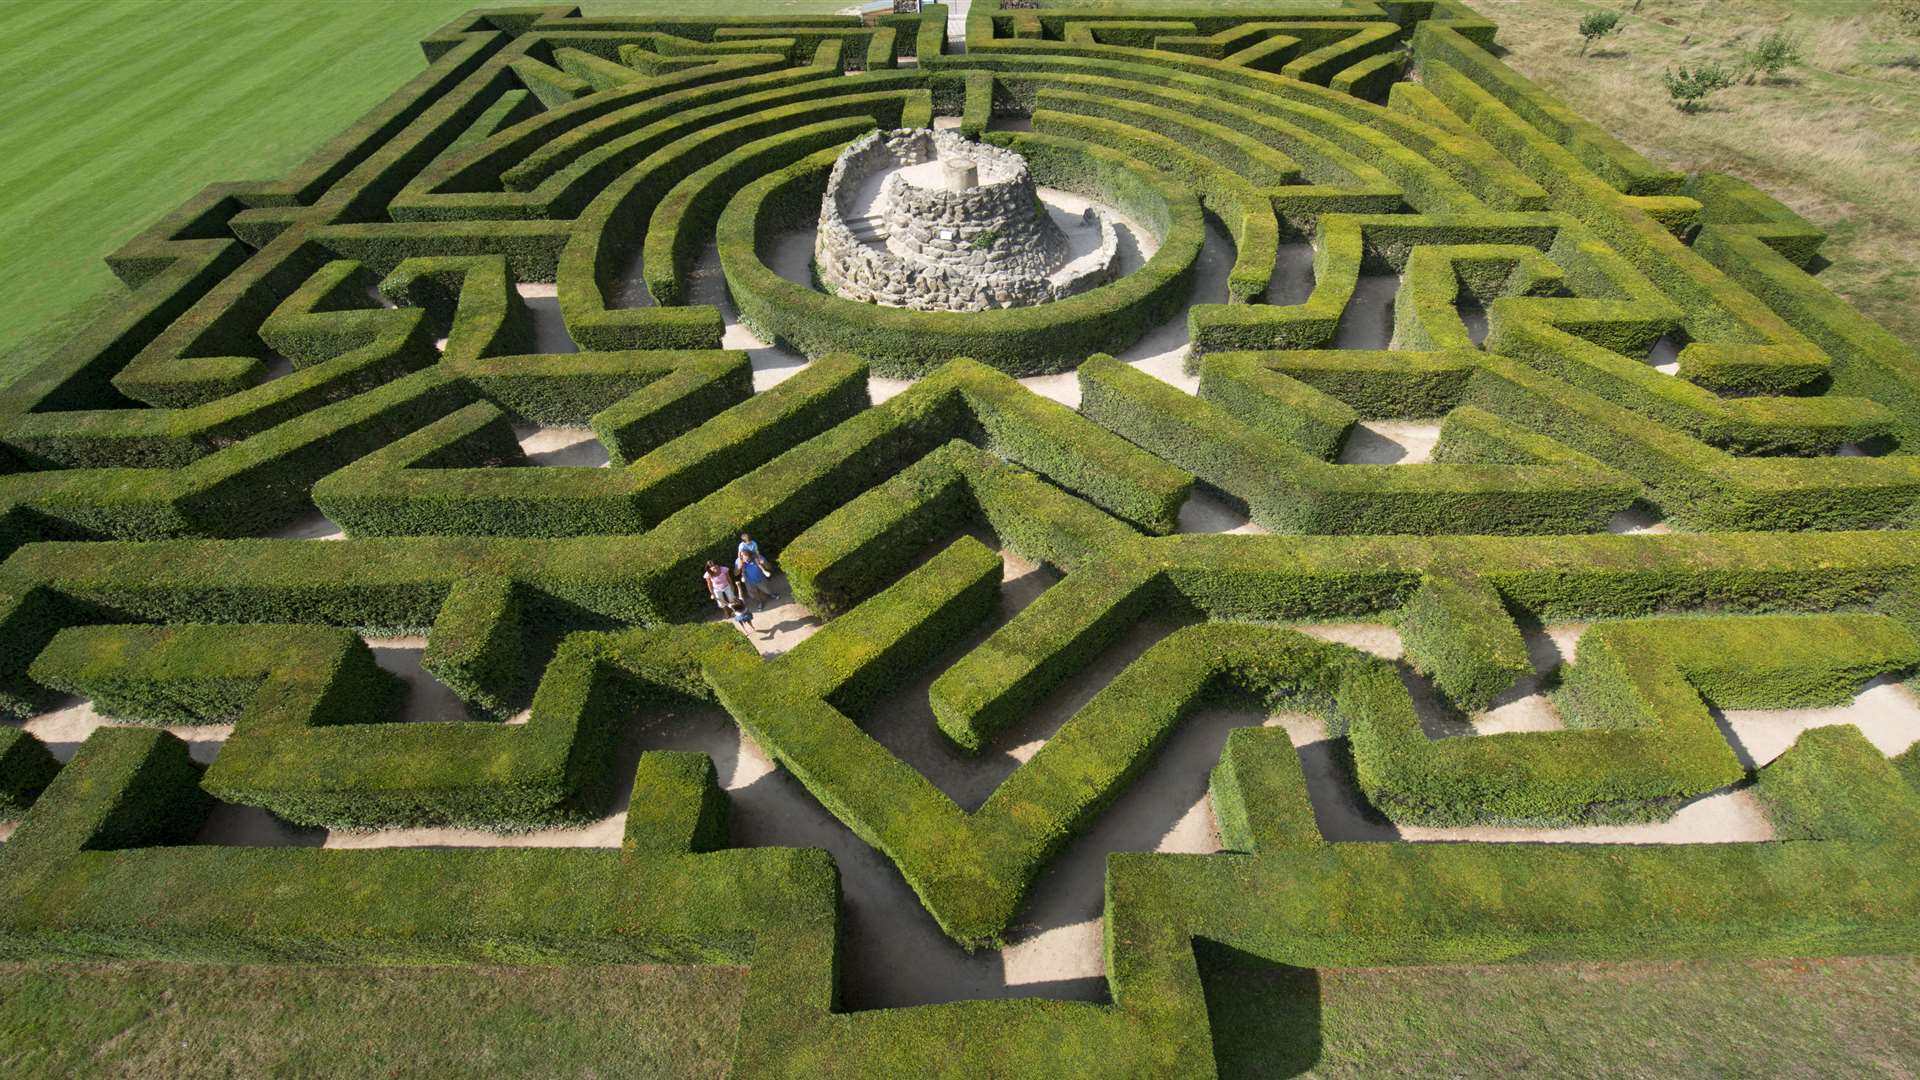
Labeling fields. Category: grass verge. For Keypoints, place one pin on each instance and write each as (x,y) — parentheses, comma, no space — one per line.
(1779,1019)
(172,1020)
(1783,1019)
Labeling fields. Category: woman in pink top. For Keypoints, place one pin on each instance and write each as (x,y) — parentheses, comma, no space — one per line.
(720,585)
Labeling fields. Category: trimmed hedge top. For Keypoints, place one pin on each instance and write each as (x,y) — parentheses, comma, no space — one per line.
(365,343)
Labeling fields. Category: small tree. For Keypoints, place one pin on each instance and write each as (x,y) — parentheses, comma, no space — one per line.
(1690,87)
(1775,53)
(1904,14)
(1597,24)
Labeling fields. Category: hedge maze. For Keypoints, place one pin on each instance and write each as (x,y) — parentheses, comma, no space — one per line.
(359,340)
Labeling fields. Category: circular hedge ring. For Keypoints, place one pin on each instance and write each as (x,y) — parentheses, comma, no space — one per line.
(1039,340)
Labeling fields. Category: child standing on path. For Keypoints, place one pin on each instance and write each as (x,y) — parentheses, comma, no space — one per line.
(743,618)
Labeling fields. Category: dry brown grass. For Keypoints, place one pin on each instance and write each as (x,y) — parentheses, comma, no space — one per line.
(1834,139)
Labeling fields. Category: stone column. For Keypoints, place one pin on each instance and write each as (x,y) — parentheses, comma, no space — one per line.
(960,174)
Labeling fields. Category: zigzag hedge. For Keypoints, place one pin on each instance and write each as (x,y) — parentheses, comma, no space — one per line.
(360,340)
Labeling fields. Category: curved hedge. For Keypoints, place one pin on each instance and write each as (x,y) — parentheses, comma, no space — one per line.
(1247,211)
(614,227)
(357,338)
(1021,341)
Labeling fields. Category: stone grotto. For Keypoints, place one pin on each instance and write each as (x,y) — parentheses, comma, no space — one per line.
(926,219)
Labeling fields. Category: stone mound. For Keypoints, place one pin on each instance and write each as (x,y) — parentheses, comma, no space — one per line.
(929,220)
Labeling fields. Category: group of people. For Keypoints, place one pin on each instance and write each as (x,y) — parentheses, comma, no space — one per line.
(732,587)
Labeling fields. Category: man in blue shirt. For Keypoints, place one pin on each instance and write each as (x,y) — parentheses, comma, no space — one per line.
(756,576)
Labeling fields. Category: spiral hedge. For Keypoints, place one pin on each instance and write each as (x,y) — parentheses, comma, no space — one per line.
(362,339)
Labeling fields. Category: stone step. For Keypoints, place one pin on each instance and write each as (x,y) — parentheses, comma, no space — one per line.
(866,229)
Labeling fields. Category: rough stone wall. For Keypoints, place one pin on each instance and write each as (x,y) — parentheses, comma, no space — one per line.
(928,225)
(934,257)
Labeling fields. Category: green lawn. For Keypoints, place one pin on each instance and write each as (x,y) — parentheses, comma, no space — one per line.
(117,110)
(1672,1021)
(1777,1019)
(162,1020)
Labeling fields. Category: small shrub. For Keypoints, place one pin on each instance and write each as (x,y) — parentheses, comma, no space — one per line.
(1689,87)
(1903,14)
(1775,53)
(984,239)
(1597,24)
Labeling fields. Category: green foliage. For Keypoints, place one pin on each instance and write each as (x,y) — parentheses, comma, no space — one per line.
(26,767)
(1689,87)
(136,572)
(1192,150)
(883,644)
(1458,634)
(1597,24)
(1596,150)
(691,416)
(1544,488)
(309,707)
(1640,741)
(677,805)
(1259,793)
(477,648)
(133,789)
(1774,53)
(1834,785)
